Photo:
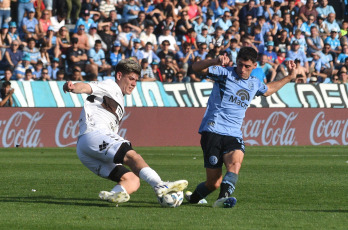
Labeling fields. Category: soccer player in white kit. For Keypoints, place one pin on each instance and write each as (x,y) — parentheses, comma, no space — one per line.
(101,149)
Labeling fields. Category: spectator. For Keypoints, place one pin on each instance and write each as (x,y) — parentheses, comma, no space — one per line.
(97,57)
(44,75)
(342,56)
(173,47)
(204,37)
(116,54)
(300,39)
(248,10)
(324,9)
(5,39)
(331,22)
(140,23)
(343,77)
(5,15)
(290,9)
(309,24)
(314,41)
(202,51)
(44,22)
(126,35)
(106,7)
(23,6)
(12,56)
(76,75)
(8,75)
(165,9)
(133,50)
(58,21)
(6,93)
(30,26)
(216,51)
(32,51)
(14,34)
(247,28)
(69,16)
(93,36)
(168,70)
(77,59)
(37,70)
(190,38)
(317,68)
(282,42)
(44,56)
(287,25)
(82,38)
(146,71)
(149,53)
(185,57)
(167,23)
(28,75)
(107,36)
(224,22)
(53,68)
(130,10)
(148,36)
(266,10)
(218,38)
(149,9)
(156,71)
(307,10)
(61,75)
(114,23)
(219,8)
(198,24)
(296,53)
(329,56)
(267,68)
(323,29)
(183,25)
(63,42)
(272,56)
(22,67)
(334,41)
(335,79)
(85,20)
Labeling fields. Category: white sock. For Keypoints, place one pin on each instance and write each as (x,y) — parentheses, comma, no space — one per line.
(118,188)
(150,176)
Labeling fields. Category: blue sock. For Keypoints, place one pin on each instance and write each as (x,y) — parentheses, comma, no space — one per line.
(200,192)
(228,184)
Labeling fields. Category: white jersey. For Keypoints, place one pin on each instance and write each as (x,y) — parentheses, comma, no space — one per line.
(103,109)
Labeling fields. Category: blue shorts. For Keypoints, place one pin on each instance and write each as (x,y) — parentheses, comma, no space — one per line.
(214,146)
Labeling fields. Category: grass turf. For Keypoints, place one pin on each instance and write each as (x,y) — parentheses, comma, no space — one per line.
(278,188)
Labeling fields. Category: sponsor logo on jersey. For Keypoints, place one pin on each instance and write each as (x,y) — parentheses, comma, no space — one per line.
(103,146)
(241,96)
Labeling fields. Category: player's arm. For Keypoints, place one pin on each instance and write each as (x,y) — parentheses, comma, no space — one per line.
(277,85)
(78,87)
(202,66)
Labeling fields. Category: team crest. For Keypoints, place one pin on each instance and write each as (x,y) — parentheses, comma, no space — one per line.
(213,160)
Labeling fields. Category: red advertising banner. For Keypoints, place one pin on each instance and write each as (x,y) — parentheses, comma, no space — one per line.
(58,127)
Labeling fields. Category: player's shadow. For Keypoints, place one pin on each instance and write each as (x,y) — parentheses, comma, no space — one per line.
(75,201)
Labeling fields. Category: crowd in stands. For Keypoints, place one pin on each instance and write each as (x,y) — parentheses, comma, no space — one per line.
(85,39)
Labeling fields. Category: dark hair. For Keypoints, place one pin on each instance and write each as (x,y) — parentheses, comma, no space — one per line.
(247,53)
(98,42)
(28,71)
(60,72)
(5,84)
(127,66)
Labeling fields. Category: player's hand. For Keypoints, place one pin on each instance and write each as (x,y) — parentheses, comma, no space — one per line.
(223,60)
(68,86)
(292,69)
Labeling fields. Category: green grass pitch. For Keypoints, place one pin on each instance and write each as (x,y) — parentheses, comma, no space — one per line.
(278,188)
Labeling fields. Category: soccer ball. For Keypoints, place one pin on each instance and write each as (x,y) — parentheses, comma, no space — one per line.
(171,200)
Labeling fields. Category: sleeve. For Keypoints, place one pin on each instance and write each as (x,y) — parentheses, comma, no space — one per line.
(217,73)
(262,88)
(103,88)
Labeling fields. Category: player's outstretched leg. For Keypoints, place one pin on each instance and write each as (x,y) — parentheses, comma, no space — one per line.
(188,195)
(141,168)
(198,196)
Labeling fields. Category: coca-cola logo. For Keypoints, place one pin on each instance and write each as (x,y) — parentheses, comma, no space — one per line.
(19,130)
(328,131)
(66,130)
(275,130)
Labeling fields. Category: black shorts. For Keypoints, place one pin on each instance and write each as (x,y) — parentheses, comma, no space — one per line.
(214,146)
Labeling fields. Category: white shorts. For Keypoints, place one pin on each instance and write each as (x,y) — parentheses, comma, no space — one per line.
(97,150)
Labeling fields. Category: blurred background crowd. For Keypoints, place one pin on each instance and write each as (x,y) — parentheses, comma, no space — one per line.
(85,39)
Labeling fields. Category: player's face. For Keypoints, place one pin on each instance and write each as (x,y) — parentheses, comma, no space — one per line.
(127,82)
(244,68)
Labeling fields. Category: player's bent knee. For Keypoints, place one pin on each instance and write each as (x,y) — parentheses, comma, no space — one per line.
(117,174)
